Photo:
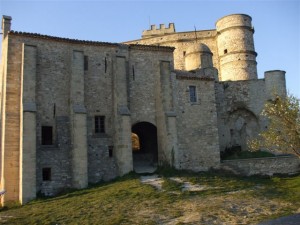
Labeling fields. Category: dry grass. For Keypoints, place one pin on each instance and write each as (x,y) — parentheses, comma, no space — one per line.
(230,200)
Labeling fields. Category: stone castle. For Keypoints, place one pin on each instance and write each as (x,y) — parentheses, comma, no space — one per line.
(76,112)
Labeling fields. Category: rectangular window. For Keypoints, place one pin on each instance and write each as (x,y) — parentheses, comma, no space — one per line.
(193,94)
(99,124)
(133,74)
(47,135)
(86,62)
(110,151)
(46,174)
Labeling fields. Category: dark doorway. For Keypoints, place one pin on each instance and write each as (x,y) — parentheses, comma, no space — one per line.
(144,144)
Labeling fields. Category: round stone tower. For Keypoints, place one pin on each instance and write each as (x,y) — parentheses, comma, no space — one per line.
(236,48)
(198,56)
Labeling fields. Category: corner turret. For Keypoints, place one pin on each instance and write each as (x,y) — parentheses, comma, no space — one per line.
(275,83)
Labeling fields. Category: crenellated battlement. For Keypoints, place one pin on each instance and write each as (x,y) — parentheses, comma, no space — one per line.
(162,30)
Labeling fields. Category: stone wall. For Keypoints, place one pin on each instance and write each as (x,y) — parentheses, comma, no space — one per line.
(144,73)
(198,141)
(75,82)
(10,118)
(53,69)
(182,41)
(287,165)
(151,96)
(239,105)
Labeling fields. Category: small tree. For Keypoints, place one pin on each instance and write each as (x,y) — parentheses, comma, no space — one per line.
(283,132)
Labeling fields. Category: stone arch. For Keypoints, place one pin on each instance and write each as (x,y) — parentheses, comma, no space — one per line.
(145,152)
(243,126)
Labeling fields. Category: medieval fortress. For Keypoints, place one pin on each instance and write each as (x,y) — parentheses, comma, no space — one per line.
(70,109)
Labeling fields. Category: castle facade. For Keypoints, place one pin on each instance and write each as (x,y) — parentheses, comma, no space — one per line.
(77,112)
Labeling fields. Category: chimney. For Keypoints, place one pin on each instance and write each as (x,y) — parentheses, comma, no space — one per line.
(6,22)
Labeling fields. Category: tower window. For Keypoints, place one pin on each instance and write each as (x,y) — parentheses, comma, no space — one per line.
(133,73)
(47,135)
(225,51)
(193,93)
(46,174)
(184,52)
(99,124)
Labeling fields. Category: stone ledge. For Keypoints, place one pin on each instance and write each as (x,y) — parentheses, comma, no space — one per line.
(262,158)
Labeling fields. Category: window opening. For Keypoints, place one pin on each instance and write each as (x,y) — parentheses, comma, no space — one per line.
(193,94)
(99,124)
(110,151)
(47,135)
(225,51)
(133,74)
(46,174)
(54,110)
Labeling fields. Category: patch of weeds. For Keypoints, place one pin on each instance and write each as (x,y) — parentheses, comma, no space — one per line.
(10,205)
(171,172)
(171,186)
(247,155)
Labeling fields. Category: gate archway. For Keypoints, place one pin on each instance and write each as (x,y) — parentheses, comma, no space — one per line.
(144,144)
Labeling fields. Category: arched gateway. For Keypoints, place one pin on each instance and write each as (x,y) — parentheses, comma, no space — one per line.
(144,145)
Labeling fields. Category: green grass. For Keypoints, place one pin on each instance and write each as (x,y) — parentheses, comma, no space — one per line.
(127,201)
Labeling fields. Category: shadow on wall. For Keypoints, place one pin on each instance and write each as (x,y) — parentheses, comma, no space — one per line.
(243,126)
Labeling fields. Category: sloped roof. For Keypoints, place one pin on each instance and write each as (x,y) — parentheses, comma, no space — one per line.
(96,43)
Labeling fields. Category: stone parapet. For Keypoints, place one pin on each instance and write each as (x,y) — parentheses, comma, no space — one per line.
(162,30)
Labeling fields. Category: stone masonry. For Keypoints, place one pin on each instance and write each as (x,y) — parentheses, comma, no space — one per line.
(69,108)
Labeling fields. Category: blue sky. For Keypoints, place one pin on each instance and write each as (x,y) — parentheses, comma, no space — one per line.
(276,23)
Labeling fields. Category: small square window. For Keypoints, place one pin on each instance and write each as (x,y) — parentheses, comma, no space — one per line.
(99,124)
(193,93)
(47,135)
(225,51)
(46,174)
